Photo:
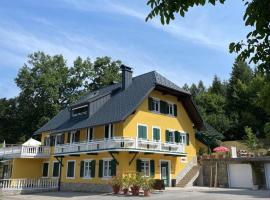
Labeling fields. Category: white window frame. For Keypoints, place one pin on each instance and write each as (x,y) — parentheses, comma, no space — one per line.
(111,130)
(145,125)
(183,136)
(77,109)
(74,170)
(103,170)
(158,103)
(55,138)
(72,136)
(143,168)
(48,170)
(84,167)
(156,127)
(47,138)
(172,107)
(88,134)
(58,169)
(173,135)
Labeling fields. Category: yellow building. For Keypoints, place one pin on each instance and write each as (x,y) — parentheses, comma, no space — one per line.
(143,124)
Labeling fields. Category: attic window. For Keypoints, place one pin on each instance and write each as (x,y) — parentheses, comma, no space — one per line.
(79,111)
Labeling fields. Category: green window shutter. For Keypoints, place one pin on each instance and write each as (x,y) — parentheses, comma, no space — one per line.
(52,141)
(156,134)
(167,136)
(100,167)
(142,132)
(187,135)
(150,103)
(82,169)
(163,107)
(111,130)
(106,134)
(93,168)
(56,169)
(45,169)
(175,110)
(77,136)
(70,169)
(68,139)
(152,168)
(138,165)
(177,136)
(113,171)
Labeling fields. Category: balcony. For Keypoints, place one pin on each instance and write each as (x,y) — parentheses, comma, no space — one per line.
(20,151)
(121,144)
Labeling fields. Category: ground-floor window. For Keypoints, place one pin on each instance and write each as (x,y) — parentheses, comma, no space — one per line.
(87,168)
(45,170)
(107,168)
(71,169)
(145,167)
(56,169)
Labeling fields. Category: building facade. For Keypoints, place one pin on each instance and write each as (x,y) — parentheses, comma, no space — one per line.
(144,124)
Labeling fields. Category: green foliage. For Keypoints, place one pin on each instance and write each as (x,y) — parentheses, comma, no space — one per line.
(267,131)
(250,138)
(48,85)
(257,16)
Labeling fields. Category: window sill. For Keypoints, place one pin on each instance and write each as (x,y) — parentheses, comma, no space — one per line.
(70,177)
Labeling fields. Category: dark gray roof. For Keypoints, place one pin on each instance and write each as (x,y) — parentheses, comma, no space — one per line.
(121,104)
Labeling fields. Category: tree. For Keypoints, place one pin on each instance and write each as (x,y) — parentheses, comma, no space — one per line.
(48,85)
(267,131)
(256,48)
(250,138)
(217,87)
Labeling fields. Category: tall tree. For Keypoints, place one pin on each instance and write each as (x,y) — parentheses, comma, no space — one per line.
(48,84)
(256,48)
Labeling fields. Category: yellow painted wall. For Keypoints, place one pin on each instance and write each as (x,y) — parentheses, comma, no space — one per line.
(27,168)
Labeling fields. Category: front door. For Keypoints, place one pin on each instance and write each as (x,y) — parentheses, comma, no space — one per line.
(164,171)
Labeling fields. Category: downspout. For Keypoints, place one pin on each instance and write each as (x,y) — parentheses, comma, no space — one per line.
(60,175)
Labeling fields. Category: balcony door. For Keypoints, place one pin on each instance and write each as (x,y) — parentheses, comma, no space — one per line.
(165,172)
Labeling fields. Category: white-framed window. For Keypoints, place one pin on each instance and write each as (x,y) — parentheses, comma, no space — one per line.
(183,138)
(56,169)
(90,134)
(74,136)
(71,169)
(142,131)
(87,169)
(170,109)
(79,111)
(145,167)
(108,131)
(107,168)
(47,141)
(156,105)
(156,133)
(45,169)
(170,137)
(59,139)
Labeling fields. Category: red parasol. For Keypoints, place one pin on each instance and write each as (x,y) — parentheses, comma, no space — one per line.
(221,149)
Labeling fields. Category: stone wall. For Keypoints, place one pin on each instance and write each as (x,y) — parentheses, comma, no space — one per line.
(86,187)
(11,192)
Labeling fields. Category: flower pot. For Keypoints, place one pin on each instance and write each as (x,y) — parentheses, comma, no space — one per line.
(146,193)
(125,191)
(116,189)
(135,190)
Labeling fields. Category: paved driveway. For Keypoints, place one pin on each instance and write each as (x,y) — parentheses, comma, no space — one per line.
(195,193)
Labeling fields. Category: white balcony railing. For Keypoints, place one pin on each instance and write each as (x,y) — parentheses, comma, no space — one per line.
(24,151)
(123,143)
(26,184)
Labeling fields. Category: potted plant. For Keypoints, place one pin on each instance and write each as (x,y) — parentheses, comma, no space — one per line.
(147,185)
(126,184)
(136,181)
(116,184)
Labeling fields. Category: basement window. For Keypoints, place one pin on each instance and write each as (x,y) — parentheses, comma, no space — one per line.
(79,111)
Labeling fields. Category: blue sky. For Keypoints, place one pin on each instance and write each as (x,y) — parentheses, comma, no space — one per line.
(188,50)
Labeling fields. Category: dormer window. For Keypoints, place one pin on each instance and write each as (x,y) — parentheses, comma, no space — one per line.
(79,111)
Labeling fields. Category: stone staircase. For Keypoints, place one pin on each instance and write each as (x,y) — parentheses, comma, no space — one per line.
(190,177)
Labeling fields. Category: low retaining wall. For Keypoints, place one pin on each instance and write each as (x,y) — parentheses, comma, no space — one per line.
(86,187)
(11,192)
